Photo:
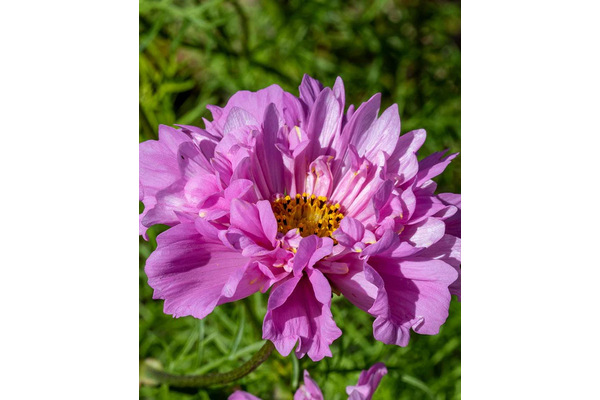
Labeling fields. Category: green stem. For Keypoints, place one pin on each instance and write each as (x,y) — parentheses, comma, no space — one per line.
(210,379)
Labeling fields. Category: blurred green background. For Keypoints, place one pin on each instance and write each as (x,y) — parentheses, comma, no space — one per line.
(194,53)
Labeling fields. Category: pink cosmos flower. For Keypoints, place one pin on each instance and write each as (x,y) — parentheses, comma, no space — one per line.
(294,195)
(368,381)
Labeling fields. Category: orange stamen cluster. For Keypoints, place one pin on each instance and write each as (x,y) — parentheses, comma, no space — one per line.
(311,215)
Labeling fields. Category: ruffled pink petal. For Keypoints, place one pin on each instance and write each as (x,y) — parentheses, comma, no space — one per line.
(310,250)
(368,381)
(347,275)
(411,294)
(197,134)
(169,201)
(408,204)
(299,312)
(295,160)
(357,187)
(388,241)
(426,206)
(446,249)
(218,204)
(158,161)
(159,167)
(362,120)
(309,390)
(452,223)
(350,232)
(193,275)
(182,198)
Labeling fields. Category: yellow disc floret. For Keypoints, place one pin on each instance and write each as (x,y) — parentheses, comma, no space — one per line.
(310,214)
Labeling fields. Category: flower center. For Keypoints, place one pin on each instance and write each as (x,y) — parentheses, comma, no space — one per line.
(311,215)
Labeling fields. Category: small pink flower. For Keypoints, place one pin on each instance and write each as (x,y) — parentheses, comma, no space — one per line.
(294,195)
(368,381)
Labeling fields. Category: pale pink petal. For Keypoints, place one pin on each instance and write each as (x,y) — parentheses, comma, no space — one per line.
(424,233)
(382,135)
(239,119)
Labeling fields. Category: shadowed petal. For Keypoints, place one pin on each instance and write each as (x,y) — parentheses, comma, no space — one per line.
(452,223)
(446,249)
(298,311)
(324,122)
(403,161)
(353,284)
(193,275)
(309,89)
(423,234)
(433,165)
(411,294)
